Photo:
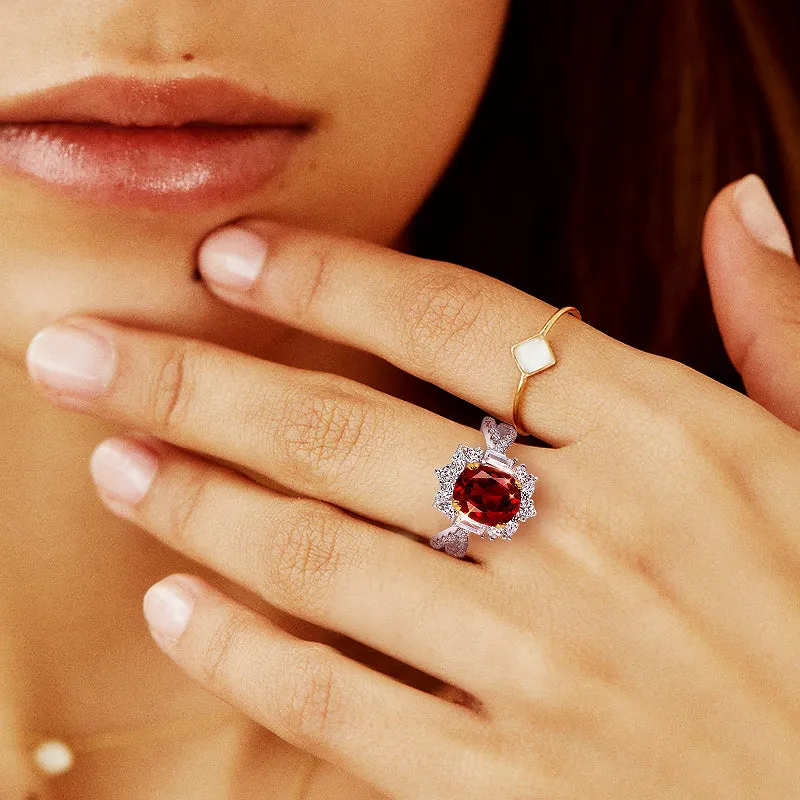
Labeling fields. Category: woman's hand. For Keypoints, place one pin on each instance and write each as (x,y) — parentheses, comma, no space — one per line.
(639,638)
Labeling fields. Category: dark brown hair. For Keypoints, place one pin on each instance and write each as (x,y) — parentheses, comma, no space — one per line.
(604,133)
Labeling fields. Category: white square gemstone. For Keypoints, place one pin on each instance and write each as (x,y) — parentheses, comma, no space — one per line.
(533,355)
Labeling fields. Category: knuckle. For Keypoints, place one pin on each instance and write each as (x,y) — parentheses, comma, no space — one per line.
(756,346)
(171,396)
(678,435)
(318,259)
(673,374)
(310,704)
(218,652)
(310,552)
(188,503)
(325,432)
(442,311)
(668,439)
(684,438)
(661,406)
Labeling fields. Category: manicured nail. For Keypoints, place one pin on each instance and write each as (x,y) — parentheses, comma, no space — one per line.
(123,470)
(760,215)
(232,257)
(71,360)
(167,607)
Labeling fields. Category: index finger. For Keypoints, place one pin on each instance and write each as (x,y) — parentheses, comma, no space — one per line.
(449,325)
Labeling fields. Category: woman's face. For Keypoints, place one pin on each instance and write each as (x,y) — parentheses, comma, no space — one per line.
(392,85)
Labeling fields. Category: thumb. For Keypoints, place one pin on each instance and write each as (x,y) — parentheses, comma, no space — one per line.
(755,291)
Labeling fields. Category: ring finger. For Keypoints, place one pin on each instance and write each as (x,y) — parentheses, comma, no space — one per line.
(314,434)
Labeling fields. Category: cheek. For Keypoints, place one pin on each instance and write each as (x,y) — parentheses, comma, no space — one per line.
(397,84)
(402,82)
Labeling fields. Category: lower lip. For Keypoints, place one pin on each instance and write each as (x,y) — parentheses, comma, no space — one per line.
(181,168)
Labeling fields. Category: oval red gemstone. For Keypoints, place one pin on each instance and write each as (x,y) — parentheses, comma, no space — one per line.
(486,495)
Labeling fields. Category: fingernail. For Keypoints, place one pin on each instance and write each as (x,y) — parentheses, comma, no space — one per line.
(232,257)
(167,607)
(123,470)
(760,216)
(71,360)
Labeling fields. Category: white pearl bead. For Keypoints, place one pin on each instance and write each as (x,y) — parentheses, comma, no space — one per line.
(53,757)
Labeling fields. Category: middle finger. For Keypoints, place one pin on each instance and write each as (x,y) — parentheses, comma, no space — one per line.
(446,324)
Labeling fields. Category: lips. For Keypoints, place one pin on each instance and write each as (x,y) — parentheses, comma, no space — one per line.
(174,145)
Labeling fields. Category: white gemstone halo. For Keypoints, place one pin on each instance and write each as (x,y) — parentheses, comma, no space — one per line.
(499,437)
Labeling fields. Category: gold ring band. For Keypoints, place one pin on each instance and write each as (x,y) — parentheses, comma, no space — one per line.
(534,355)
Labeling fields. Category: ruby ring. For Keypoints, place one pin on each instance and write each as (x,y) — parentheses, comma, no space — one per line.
(483,491)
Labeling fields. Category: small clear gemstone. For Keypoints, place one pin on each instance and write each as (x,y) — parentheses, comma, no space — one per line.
(471,526)
(509,529)
(495,459)
(527,481)
(473,454)
(442,497)
(499,435)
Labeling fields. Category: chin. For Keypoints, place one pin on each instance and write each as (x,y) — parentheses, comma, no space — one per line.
(63,256)
(179,306)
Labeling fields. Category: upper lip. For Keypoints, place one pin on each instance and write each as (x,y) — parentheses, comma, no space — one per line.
(130,101)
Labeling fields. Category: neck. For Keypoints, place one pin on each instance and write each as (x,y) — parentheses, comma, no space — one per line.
(75,655)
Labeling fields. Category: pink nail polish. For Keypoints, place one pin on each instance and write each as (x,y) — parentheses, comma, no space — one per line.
(71,360)
(232,257)
(123,470)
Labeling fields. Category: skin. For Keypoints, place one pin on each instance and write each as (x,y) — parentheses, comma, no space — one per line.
(625,650)
(607,645)
(70,599)
(372,71)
